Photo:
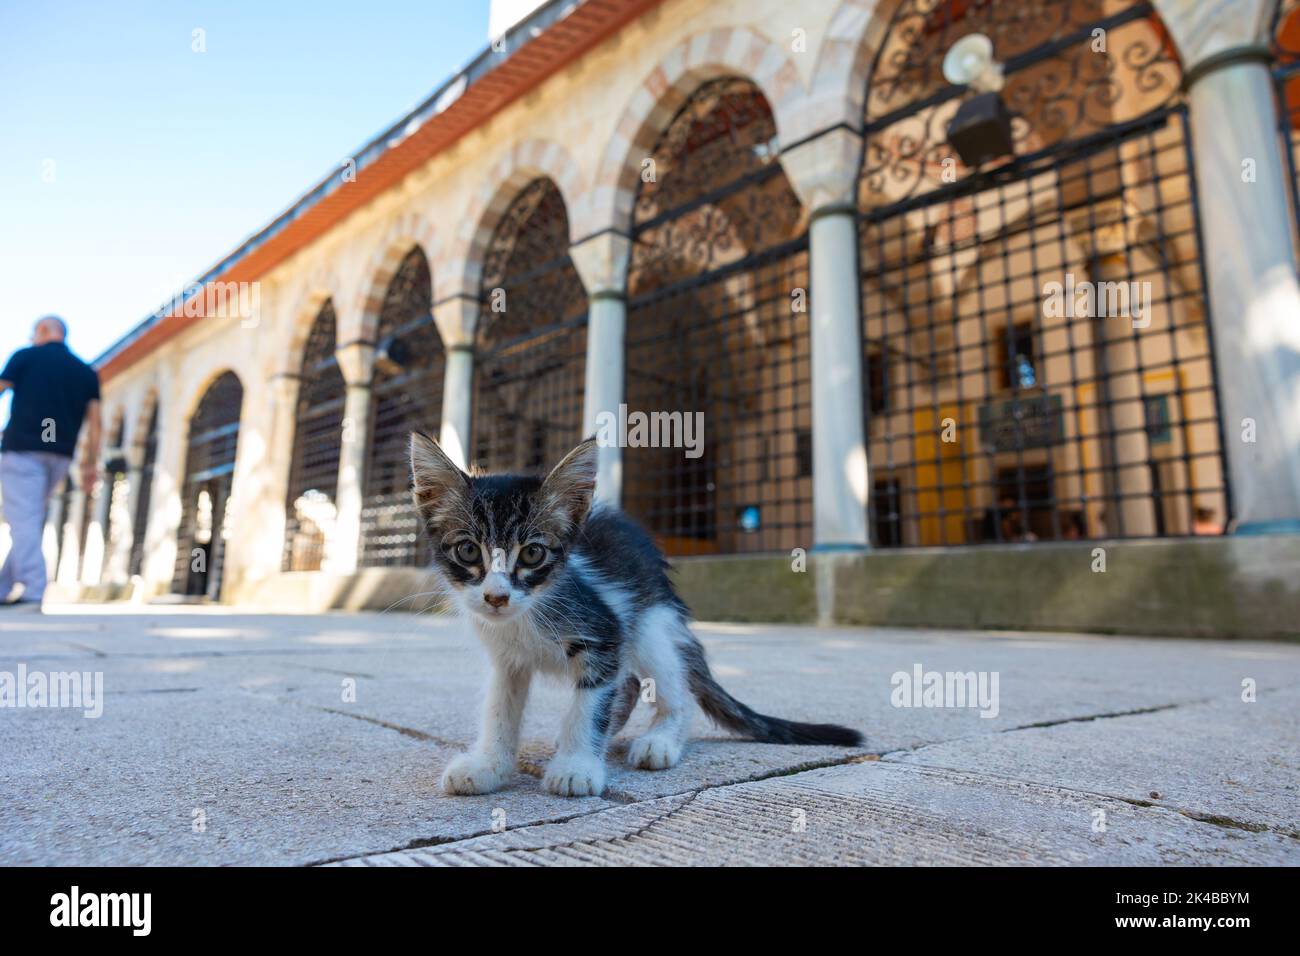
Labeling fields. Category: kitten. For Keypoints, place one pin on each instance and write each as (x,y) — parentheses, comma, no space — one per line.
(552,585)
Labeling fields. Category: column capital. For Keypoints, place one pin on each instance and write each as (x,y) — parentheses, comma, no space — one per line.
(457,319)
(356,361)
(824,168)
(284,385)
(1208,28)
(602,260)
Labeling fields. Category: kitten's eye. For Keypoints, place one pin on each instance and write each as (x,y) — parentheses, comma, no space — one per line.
(532,555)
(467,552)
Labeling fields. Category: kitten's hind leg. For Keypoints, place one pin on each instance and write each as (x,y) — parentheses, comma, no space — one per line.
(625,701)
(659,658)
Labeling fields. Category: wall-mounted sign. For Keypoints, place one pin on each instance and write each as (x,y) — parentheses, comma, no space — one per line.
(1030,421)
(1157,414)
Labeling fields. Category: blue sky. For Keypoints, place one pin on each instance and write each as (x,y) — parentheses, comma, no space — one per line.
(132,163)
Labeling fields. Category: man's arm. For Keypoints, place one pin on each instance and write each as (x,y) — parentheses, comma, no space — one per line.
(5,386)
(90,450)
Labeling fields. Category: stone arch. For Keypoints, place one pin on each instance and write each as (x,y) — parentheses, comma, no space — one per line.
(524,162)
(531,355)
(726,51)
(316,289)
(837,92)
(407,231)
(194,398)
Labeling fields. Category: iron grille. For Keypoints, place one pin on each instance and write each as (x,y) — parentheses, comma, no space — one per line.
(140,520)
(1286,73)
(1037,355)
(718,329)
(209,473)
(115,489)
(318,435)
(406,397)
(531,343)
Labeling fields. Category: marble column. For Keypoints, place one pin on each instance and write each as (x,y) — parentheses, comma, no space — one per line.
(602,263)
(824,172)
(356,362)
(457,320)
(1246,225)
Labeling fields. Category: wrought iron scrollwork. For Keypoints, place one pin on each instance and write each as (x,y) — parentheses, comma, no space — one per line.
(1072,69)
(528,280)
(712,190)
(532,346)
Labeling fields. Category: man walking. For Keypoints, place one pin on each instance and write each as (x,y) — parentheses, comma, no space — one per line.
(54,392)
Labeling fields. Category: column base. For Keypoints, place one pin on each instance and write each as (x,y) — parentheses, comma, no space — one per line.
(1284,526)
(845,548)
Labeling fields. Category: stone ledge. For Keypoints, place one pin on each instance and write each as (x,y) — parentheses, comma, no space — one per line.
(1241,587)
(1207,587)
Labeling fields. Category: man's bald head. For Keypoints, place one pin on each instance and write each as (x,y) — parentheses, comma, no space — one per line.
(49,328)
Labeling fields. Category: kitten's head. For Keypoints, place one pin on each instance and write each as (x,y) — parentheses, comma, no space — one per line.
(500,540)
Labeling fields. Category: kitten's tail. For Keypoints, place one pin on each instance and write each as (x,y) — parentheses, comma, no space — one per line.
(728,712)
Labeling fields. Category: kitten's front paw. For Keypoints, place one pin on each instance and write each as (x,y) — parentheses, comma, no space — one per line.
(654,752)
(474,773)
(575,776)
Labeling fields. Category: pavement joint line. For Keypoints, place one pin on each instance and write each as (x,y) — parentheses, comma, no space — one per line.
(424,843)
(330,670)
(640,831)
(410,732)
(1212,819)
(378,722)
(86,647)
(1219,820)
(157,690)
(1135,712)
(1042,725)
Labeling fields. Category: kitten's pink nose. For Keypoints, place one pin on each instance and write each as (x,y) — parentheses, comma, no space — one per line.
(497,600)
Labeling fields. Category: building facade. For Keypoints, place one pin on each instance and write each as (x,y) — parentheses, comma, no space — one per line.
(756,219)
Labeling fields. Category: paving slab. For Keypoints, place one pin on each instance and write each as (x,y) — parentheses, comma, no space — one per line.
(872,813)
(219,778)
(308,739)
(1231,761)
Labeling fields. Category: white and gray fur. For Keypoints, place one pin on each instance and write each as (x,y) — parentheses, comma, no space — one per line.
(554,586)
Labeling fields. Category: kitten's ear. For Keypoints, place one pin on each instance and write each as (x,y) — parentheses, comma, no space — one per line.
(567,490)
(435,475)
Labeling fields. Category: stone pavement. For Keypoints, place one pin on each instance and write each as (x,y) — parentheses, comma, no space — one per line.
(232,738)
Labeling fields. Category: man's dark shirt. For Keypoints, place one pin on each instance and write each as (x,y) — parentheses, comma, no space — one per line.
(50,385)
